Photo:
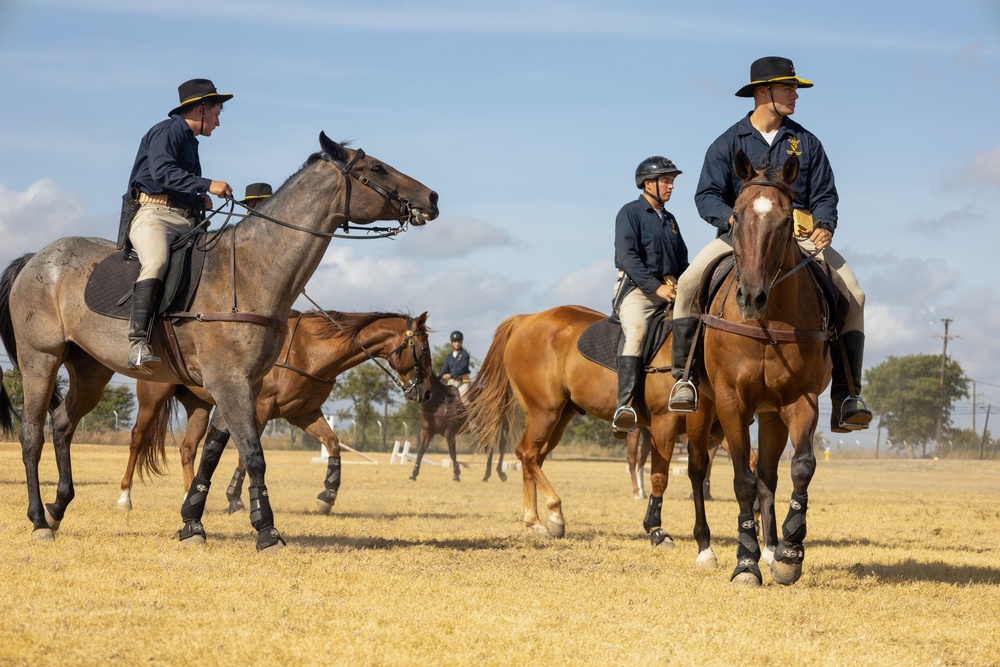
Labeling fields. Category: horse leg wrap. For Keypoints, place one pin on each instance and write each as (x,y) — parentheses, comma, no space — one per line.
(658,536)
(793,531)
(268,538)
(332,482)
(652,519)
(194,502)
(235,489)
(191,529)
(261,516)
(747,549)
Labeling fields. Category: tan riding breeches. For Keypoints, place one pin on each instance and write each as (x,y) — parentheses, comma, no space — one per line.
(462,384)
(690,281)
(634,313)
(152,231)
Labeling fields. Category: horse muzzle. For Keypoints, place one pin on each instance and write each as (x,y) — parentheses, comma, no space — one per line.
(752,301)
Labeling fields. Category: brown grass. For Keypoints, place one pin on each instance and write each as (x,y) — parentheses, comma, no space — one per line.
(901,568)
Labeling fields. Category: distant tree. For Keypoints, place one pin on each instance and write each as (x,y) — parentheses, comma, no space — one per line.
(905,393)
(118,399)
(589,430)
(371,392)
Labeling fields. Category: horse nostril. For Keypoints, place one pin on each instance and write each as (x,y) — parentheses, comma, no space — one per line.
(434,198)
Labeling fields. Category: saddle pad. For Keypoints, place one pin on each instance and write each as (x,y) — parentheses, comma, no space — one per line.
(114,277)
(601,341)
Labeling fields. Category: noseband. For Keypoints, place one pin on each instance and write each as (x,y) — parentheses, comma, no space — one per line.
(406,212)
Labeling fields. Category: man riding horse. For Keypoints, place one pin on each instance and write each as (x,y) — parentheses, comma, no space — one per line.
(649,255)
(166,198)
(768,136)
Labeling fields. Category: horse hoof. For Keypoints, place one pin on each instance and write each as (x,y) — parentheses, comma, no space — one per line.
(125,502)
(502,476)
(324,507)
(555,529)
(746,579)
(413,478)
(269,541)
(192,534)
(235,506)
(661,539)
(785,574)
(706,561)
(639,496)
(43,535)
(53,523)
(194,541)
(456,479)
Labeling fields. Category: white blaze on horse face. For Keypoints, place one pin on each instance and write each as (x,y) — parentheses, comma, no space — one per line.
(762,205)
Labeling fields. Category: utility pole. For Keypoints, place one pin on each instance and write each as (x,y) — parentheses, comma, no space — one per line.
(944,358)
(973,406)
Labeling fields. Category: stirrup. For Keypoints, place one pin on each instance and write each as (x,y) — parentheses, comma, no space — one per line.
(624,410)
(673,394)
(851,426)
(140,354)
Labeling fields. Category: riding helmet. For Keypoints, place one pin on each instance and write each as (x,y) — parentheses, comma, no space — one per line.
(456,337)
(652,167)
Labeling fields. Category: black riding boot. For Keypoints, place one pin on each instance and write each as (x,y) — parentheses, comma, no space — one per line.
(145,300)
(849,412)
(684,396)
(628,375)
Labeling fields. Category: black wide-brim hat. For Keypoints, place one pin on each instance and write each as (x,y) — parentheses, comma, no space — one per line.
(772,69)
(197,90)
(257,191)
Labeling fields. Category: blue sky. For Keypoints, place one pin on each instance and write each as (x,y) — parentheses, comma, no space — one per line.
(529,119)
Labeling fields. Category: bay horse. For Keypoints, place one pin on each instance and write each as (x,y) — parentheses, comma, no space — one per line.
(765,353)
(533,361)
(442,415)
(320,346)
(227,347)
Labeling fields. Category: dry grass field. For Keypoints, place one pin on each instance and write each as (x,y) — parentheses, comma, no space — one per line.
(901,569)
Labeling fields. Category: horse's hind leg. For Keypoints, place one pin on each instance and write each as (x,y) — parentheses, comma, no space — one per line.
(193,507)
(698,428)
(786,568)
(87,380)
(489,465)
(423,442)
(450,439)
(535,444)
(38,376)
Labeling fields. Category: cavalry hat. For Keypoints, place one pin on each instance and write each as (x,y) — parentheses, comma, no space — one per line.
(772,69)
(197,90)
(257,191)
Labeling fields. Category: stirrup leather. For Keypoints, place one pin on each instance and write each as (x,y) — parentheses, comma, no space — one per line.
(624,410)
(850,426)
(673,394)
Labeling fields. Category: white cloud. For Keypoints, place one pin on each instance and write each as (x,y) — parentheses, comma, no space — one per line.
(982,170)
(31,219)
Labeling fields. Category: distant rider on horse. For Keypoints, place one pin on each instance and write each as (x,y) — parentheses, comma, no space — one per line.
(455,370)
(649,254)
(768,135)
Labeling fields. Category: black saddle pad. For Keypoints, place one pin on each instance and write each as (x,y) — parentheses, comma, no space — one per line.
(109,287)
(601,341)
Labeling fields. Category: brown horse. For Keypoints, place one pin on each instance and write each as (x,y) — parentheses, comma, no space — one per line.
(229,346)
(320,346)
(533,361)
(441,415)
(765,351)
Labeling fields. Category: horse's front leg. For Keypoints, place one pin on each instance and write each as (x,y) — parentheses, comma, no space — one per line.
(452,451)
(772,436)
(315,424)
(790,552)
(631,455)
(193,507)
(698,430)
(737,429)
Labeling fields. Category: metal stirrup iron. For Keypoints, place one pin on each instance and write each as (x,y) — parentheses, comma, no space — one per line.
(626,410)
(673,393)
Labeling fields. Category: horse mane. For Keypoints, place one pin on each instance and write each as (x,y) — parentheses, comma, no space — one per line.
(335,324)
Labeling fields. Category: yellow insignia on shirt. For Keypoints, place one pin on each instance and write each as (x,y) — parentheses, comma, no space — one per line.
(794,150)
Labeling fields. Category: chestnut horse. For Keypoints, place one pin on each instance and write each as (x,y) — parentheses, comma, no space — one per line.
(320,346)
(533,361)
(765,351)
(229,344)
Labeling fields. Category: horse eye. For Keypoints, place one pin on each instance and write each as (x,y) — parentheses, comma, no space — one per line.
(377,169)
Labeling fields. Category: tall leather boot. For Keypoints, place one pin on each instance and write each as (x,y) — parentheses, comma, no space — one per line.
(628,375)
(145,299)
(849,412)
(684,396)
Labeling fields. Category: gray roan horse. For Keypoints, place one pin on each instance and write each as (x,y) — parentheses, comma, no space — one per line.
(227,349)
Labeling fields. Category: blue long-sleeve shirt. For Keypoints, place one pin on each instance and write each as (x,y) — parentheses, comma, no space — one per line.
(814,188)
(454,366)
(167,162)
(647,248)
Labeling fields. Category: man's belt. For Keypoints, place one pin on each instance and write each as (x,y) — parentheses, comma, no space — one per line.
(163,199)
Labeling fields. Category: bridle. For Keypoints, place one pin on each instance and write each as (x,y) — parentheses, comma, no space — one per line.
(736,259)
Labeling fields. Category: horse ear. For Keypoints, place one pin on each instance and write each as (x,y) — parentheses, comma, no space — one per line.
(790,171)
(332,148)
(422,320)
(744,169)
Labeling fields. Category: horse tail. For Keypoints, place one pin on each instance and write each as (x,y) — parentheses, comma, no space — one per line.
(7,330)
(151,458)
(7,412)
(491,413)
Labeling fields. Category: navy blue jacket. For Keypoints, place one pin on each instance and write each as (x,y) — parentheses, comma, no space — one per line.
(456,367)
(167,162)
(719,185)
(646,247)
